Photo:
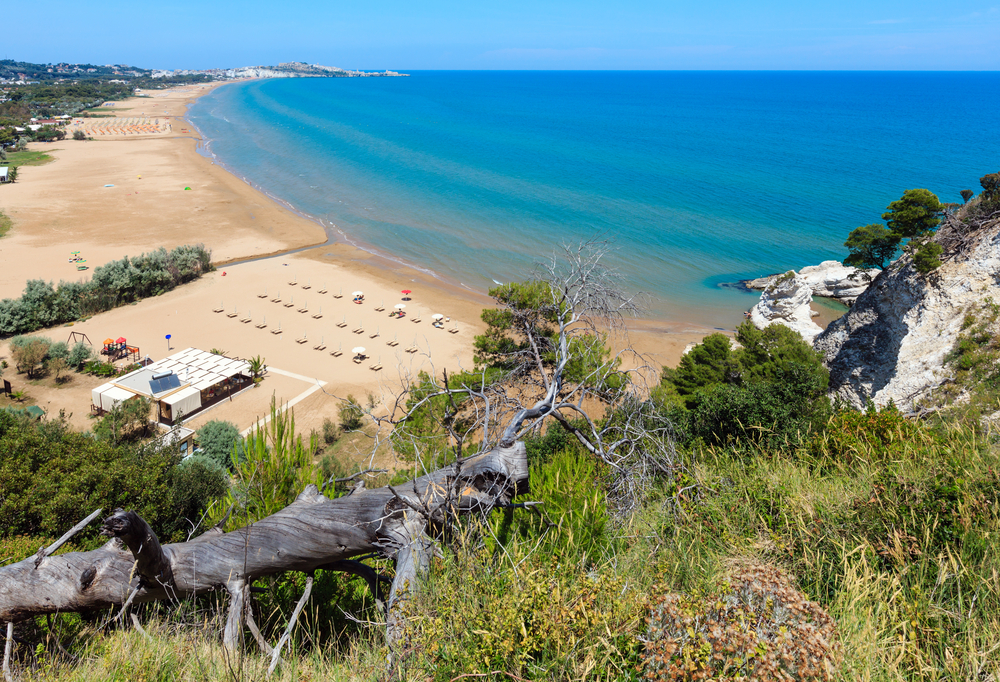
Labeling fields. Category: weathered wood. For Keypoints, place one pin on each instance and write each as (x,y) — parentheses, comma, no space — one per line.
(42,553)
(412,562)
(312,532)
(7,648)
(276,654)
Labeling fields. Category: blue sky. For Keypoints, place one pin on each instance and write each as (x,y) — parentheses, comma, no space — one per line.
(521,34)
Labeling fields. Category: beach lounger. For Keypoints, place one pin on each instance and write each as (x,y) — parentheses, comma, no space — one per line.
(416,318)
(303,309)
(358,360)
(276,331)
(375,335)
(412,349)
(339,294)
(289,305)
(301,340)
(232,314)
(219,309)
(276,299)
(294,282)
(318,315)
(342,324)
(381,307)
(392,343)
(453,331)
(261,325)
(320,346)
(307,285)
(376,367)
(323,290)
(264,295)
(336,353)
(359,330)
(246,319)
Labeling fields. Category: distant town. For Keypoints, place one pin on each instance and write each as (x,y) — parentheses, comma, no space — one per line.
(26,73)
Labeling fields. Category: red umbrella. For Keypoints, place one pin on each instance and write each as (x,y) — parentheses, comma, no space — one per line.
(120,339)
(406,293)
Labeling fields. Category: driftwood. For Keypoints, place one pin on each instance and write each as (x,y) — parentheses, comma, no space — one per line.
(313,533)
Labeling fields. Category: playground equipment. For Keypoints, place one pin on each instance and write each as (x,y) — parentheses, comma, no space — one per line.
(118,349)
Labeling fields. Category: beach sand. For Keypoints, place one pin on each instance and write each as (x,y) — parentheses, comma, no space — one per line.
(64,206)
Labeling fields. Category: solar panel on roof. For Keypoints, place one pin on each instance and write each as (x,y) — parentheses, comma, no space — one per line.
(167,383)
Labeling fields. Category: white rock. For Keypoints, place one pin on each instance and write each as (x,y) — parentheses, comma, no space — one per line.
(832,279)
(892,343)
(786,301)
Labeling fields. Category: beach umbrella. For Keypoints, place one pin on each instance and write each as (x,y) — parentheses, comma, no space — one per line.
(406,294)
(74,253)
(437,316)
(108,341)
(358,350)
(120,339)
(399,306)
(358,293)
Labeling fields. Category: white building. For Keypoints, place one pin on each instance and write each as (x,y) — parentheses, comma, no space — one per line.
(181,385)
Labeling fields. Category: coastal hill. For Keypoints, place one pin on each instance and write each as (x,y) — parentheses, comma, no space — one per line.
(903,339)
(282,70)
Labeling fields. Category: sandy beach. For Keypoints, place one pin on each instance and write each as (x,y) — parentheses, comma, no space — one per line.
(66,206)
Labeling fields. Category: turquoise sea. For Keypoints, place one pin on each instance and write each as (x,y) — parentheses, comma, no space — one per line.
(700,178)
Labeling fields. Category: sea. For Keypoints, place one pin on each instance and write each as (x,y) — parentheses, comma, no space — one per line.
(696,180)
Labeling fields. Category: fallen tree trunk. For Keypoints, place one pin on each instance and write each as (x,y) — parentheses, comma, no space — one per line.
(314,532)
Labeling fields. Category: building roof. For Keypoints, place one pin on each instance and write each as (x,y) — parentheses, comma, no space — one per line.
(3,171)
(190,367)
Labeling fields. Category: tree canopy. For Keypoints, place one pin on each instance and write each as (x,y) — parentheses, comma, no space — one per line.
(770,387)
(915,214)
(871,246)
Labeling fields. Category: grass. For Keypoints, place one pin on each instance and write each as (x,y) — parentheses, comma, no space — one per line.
(5,224)
(29,158)
(889,526)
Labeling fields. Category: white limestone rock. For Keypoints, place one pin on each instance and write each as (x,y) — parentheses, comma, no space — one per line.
(833,279)
(892,343)
(786,301)
(830,279)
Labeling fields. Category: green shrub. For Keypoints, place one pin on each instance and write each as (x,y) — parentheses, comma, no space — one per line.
(195,484)
(80,354)
(217,440)
(330,432)
(875,435)
(927,257)
(352,416)
(58,350)
(60,476)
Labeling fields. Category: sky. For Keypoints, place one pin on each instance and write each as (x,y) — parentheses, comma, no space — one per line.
(521,34)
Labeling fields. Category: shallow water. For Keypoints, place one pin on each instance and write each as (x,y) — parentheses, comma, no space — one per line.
(700,178)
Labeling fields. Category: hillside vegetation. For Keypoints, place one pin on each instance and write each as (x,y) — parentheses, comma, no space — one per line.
(788,539)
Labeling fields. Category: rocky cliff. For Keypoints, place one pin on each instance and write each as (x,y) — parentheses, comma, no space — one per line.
(786,301)
(892,343)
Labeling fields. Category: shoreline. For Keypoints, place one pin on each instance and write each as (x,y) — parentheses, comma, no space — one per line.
(330,229)
(204,149)
(261,244)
